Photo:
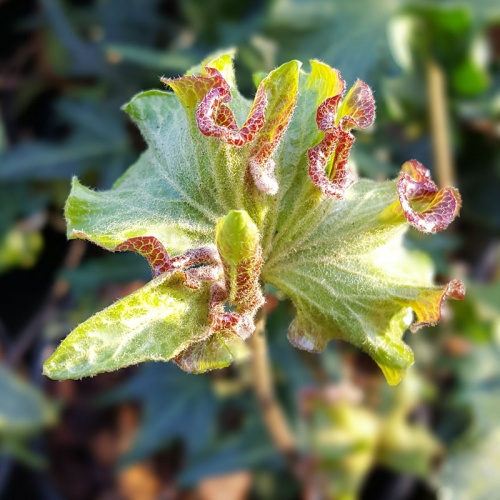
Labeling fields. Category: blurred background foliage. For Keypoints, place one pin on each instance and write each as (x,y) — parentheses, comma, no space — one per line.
(152,431)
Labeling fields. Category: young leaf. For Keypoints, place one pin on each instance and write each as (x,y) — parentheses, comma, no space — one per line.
(350,277)
(213,161)
(154,323)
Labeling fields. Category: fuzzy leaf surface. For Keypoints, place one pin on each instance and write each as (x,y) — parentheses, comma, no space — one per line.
(154,323)
(341,261)
(350,277)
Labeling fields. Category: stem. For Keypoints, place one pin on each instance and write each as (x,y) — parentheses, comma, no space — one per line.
(272,413)
(436,92)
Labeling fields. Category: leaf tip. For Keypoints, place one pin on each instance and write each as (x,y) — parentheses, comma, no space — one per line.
(393,376)
(54,369)
(428,306)
(135,107)
(358,107)
(328,160)
(425,206)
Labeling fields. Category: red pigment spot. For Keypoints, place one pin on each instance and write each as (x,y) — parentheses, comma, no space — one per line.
(327,112)
(337,144)
(151,249)
(224,321)
(336,118)
(215,119)
(358,107)
(425,206)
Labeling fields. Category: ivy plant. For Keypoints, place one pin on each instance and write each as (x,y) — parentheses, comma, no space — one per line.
(231,195)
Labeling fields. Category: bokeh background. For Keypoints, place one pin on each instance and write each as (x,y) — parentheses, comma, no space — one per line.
(152,431)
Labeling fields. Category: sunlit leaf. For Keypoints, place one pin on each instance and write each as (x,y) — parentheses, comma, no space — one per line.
(153,324)
(341,261)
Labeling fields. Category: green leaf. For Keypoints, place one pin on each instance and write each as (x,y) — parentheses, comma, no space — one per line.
(20,247)
(479,387)
(212,152)
(351,278)
(98,136)
(24,413)
(343,437)
(250,448)
(408,448)
(139,205)
(154,323)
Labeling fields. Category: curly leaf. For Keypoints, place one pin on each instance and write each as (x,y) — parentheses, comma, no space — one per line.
(337,251)
(151,249)
(425,206)
(281,87)
(328,160)
(350,277)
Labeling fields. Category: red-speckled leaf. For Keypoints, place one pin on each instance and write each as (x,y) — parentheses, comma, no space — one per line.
(358,107)
(237,239)
(151,249)
(340,257)
(328,168)
(426,207)
(336,144)
(216,120)
(327,113)
(280,88)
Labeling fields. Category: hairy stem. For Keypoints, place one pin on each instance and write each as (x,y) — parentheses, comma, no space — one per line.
(272,413)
